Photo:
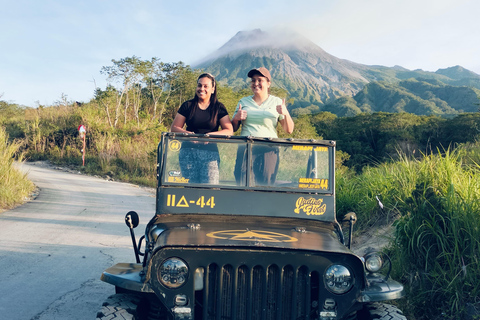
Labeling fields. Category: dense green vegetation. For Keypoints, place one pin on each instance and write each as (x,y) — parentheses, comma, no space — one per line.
(374,138)
(415,95)
(437,239)
(424,167)
(14,185)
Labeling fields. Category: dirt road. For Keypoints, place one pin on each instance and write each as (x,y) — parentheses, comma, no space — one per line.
(53,249)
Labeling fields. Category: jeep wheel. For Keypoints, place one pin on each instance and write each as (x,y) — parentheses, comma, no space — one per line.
(380,311)
(130,306)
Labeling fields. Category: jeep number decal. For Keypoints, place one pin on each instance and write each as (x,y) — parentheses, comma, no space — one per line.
(174,145)
(184,203)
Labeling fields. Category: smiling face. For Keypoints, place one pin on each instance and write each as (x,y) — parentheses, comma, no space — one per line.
(205,88)
(260,84)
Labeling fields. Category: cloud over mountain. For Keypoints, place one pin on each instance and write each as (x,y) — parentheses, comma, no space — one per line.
(310,75)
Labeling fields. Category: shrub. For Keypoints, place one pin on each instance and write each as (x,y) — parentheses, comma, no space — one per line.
(14,185)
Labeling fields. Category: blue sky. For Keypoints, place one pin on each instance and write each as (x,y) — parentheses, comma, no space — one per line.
(52,47)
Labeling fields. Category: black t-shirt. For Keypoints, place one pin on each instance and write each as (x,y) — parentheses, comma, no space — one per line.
(200,122)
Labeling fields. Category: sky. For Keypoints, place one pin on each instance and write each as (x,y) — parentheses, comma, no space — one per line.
(55,49)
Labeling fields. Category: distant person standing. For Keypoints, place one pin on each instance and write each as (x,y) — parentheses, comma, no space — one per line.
(259,115)
(203,114)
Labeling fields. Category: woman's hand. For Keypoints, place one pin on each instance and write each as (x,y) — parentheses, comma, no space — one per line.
(287,122)
(241,114)
(282,108)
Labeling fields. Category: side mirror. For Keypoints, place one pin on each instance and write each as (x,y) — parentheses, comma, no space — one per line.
(132,220)
(350,217)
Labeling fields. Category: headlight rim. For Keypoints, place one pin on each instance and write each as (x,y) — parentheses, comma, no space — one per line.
(160,273)
(373,255)
(344,291)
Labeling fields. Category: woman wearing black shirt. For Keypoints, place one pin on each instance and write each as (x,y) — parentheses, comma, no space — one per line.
(204,114)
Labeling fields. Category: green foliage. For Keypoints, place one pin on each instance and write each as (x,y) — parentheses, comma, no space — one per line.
(374,138)
(125,153)
(229,98)
(438,237)
(345,107)
(421,96)
(436,248)
(304,129)
(9,111)
(144,89)
(11,118)
(311,109)
(14,185)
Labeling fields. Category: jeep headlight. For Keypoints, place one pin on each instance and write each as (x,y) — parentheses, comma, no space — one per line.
(173,273)
(373,262)
(338,279)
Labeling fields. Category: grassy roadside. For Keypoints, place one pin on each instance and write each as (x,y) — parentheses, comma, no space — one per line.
(436,247)
(14,185)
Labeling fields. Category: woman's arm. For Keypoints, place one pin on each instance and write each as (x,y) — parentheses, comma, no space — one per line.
(238,117)
(227,128)
(235,124)
(178,123)
(287,121)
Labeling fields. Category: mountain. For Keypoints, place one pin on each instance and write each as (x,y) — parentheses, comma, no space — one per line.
(304,69)
(314,78)
(458,73)
(421,97)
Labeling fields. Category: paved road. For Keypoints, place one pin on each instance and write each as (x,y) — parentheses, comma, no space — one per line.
(53,249)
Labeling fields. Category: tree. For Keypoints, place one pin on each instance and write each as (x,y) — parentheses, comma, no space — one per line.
(304,129)
(155,77)
(181,82)
(105,98)
(124,71)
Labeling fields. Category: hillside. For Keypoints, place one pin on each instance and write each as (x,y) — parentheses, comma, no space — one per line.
(318,81)
(417,96)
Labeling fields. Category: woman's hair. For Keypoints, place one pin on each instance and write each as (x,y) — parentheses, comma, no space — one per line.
(214,106)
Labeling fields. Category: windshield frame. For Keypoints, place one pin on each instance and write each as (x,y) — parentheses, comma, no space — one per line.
(250,143)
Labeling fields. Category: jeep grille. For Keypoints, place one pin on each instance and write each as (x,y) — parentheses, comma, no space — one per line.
(241,284)
(259,293)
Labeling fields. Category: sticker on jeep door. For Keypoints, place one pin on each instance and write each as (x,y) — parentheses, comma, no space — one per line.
(309,148)
(312,183)
(310,206)
(251,235)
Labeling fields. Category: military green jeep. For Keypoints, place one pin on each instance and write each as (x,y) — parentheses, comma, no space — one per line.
(241,247)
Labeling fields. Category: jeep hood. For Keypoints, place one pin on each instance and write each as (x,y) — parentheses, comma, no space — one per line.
(240,232)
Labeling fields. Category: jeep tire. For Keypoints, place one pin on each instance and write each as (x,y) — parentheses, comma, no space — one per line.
(380,311)
(120,306)
(132,306)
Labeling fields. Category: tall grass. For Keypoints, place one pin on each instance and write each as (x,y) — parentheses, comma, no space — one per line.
(14,186)
(437,237)
(126,153)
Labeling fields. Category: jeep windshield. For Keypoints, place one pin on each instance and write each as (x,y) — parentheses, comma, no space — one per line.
(196,174)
